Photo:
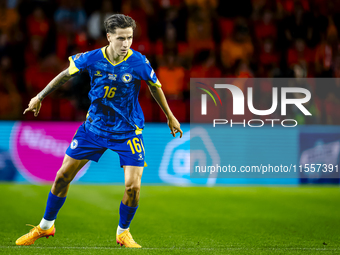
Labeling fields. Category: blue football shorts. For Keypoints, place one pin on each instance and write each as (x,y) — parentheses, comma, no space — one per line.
(88,145)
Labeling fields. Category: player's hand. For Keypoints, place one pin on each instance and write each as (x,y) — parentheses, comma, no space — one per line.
(34,106)
(174,126)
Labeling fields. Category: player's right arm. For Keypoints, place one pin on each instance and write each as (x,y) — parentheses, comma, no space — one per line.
(58,81)
(78,63)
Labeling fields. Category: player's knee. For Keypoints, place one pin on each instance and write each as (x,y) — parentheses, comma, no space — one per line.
(63,177)
(132,190)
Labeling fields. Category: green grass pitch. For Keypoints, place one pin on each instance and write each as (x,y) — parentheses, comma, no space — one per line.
(179,220)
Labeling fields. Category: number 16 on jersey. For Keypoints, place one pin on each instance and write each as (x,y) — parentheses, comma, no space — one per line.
(109,93)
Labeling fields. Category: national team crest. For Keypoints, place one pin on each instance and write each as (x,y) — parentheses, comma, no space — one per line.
(126,77)
(74,144)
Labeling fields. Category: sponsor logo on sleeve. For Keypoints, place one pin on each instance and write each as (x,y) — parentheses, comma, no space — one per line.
(78,56)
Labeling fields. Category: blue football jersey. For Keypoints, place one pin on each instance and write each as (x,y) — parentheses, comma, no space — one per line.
(115,111)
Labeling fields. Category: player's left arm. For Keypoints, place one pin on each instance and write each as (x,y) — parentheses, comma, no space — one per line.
(173,123)
(147,74)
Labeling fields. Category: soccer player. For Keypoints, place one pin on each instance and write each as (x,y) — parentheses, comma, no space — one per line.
(114,121)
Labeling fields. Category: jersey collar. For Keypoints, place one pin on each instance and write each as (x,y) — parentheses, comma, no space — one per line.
(130,52)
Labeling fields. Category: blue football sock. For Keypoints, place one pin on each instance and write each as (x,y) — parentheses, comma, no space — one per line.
(126,215)
(54,203)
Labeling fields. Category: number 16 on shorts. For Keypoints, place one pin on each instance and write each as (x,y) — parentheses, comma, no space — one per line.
(136,145)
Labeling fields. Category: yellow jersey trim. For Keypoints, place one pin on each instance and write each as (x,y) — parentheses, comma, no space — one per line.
(157,84)
(130,52)
(138,130)
(75,134)
(72,68)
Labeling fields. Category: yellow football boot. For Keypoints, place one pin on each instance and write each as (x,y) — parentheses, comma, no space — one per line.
(126,239)
(34,234)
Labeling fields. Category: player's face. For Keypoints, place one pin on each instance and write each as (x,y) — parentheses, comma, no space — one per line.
(121,40)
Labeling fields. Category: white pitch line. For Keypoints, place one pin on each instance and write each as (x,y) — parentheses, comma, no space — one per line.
(174,248)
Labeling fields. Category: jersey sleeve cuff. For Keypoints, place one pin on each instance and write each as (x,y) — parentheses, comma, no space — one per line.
(157,84)
(72,68)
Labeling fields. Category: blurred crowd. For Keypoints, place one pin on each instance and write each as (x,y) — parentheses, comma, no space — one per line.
(182,39)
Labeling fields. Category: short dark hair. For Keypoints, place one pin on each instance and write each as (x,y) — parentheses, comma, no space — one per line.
(118,21)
